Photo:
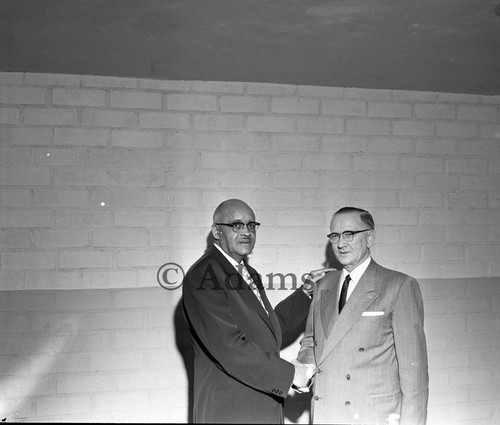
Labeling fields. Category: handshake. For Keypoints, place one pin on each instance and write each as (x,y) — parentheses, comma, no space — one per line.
(302,377)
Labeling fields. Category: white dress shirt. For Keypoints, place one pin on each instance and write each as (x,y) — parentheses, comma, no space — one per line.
(355,276)
(246,276)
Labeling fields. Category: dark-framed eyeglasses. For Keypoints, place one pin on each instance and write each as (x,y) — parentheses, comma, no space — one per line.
(348,235)
(238,226)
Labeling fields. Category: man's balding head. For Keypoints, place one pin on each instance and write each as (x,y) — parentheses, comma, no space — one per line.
(227,208)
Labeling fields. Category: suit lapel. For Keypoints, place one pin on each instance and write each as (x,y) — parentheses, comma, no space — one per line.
(328,309)
(325,313)
(233,281)
(268,316)
(366,291)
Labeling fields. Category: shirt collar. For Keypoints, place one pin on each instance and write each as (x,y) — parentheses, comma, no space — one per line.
(229,258)
(357,272)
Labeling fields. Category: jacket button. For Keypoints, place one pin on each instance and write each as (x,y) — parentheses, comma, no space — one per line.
(348,377)
(347,403)
(316,397)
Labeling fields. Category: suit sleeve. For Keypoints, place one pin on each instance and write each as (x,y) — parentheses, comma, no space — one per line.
(211,317)
(411,351)
(292,314)
(306,351)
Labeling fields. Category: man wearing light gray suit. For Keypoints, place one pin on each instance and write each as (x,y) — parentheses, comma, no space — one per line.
(365,334)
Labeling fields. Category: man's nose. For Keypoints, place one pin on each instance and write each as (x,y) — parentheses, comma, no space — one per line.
(245,230)
(341,243)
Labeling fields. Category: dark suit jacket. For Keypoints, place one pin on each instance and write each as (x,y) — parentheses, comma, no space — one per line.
(372,358)
(238,373)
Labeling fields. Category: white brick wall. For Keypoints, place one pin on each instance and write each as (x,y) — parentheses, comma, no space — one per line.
(104,179)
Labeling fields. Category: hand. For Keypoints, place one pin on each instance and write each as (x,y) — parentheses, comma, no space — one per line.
(303,375)
(312,277)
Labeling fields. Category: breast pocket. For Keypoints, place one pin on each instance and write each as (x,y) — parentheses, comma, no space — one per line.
(376,328)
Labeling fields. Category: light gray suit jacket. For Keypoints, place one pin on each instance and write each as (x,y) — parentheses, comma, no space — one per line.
(372,359)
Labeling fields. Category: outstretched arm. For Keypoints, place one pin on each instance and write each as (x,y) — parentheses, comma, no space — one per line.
(292,312)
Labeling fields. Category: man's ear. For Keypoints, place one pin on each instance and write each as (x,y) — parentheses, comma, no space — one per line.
(215,232)
(371,238)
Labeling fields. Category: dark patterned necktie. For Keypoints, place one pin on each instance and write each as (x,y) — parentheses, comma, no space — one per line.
(343,293)
(248,279)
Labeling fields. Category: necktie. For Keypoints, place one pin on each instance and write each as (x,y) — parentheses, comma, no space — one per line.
(343,293)
(248,279)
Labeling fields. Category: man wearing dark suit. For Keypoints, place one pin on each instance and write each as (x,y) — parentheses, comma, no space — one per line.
(365,335)
(239,376)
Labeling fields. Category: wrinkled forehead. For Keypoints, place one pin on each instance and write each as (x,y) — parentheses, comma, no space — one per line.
(346,221)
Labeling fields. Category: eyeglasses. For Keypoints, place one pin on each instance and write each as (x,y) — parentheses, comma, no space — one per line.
(238,226)
(348,235)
